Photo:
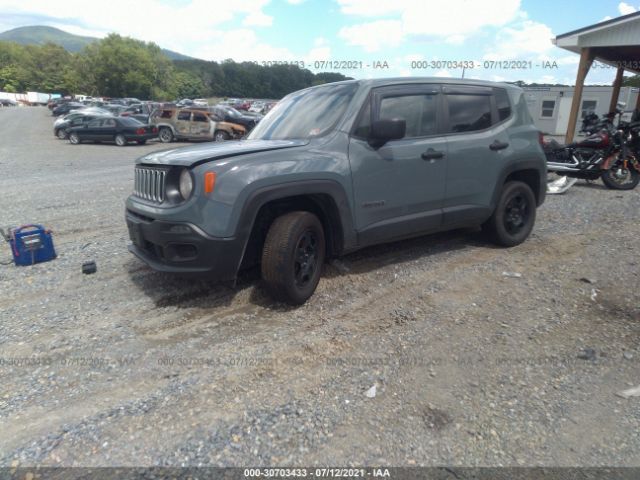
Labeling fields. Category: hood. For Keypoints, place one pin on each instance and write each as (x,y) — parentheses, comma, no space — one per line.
(193,155)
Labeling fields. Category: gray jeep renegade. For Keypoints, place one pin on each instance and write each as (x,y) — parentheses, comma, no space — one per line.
(338,167)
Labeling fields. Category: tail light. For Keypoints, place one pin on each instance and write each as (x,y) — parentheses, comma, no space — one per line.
(140,131)
(154,130)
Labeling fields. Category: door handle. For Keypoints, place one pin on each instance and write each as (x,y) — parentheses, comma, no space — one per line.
(498,145)
(432,154)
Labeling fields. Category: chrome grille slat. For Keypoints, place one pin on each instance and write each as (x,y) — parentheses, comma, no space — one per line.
(149,184)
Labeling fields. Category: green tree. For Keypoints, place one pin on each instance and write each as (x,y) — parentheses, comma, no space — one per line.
(122,67)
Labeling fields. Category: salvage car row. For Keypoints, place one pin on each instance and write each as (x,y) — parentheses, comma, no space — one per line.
(145,121)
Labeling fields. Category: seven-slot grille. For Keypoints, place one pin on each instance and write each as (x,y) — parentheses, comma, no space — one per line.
(149,184)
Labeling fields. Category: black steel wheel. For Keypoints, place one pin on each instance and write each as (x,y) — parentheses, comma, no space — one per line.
(292,257)
(514,215)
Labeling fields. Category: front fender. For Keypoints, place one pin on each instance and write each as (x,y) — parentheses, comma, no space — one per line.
(263,195)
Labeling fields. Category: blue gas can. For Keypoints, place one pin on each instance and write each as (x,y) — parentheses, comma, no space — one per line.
(31,244)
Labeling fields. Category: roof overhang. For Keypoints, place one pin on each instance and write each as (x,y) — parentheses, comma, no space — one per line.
(615,42)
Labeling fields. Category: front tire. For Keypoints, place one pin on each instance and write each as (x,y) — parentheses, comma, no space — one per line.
(120,140)
(292,257)
(621,179)
(514,216)
(74,139)
(61,134)
(165,135)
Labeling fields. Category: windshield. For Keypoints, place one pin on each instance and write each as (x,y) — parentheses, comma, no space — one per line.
(305,114)
(232,112)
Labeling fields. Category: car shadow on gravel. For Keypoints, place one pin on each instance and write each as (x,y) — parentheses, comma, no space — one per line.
(379,256)
(166,290)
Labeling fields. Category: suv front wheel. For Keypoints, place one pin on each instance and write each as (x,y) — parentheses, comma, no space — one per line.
(165,135)
(292,257)
(514,216)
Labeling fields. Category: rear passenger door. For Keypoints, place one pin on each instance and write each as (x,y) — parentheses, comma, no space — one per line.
(478,149)
(399,187)
(109,129)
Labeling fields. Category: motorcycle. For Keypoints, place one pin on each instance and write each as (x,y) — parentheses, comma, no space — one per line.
(607,151)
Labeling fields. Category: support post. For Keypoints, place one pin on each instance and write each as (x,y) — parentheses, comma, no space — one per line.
(616,90)
(586,59)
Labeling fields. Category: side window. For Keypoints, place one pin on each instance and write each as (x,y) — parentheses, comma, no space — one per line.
(166,114)
(502,103)
(468,113)
(109,122)
(95,123)
(364,123)
(184,116)
(200,117)
(419,111)
(547,108)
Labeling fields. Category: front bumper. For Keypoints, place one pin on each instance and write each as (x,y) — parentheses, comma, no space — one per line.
(183,248)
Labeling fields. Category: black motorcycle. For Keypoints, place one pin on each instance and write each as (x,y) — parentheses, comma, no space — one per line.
(609,152)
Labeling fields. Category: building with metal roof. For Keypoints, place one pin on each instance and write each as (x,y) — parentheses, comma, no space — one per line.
(614,42)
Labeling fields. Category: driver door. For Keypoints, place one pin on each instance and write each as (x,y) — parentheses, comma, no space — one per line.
(399,187)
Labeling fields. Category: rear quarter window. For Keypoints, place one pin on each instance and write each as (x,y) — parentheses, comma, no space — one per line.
(468,112)
(503,104)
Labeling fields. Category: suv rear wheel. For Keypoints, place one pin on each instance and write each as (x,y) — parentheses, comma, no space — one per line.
(292,257)
(221,136)
(514,216)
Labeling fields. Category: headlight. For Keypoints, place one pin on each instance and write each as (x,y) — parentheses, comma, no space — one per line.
(186,184)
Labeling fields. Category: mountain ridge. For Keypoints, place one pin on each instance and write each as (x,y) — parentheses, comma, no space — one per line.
(41,34)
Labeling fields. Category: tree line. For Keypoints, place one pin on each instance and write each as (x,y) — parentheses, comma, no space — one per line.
(119,66)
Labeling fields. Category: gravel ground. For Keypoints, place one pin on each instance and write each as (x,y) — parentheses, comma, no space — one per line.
(471,367)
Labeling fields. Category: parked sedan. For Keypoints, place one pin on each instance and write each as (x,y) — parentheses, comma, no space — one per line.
(120,130)
(231,115)
(62,126)
(65,108)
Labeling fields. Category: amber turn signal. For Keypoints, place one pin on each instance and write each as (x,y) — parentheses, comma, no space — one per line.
(209,182)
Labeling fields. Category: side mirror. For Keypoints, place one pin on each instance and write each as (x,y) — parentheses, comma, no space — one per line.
(385,129)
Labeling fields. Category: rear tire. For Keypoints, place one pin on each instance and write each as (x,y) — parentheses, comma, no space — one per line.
(74,139)
(165,135)
(120,140)
(292,257)
(514,216)
(611,180)
(221,136)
